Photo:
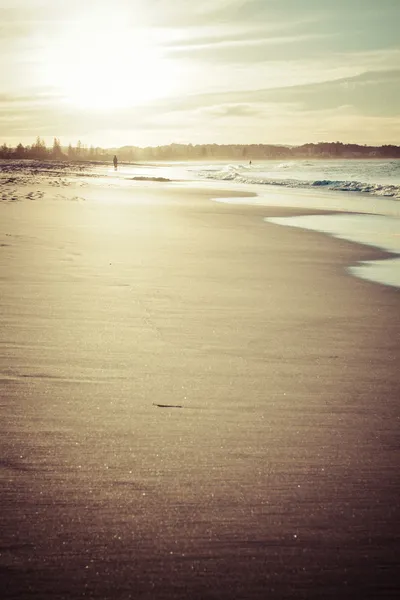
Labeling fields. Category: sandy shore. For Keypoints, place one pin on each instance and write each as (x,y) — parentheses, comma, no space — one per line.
(274,474)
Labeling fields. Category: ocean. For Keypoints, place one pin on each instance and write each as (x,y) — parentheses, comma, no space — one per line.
(366,193)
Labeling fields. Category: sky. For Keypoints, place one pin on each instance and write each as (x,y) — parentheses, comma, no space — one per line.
(154,72)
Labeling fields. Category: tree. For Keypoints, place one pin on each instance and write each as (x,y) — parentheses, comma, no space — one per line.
(5,151)
(39,149)
(20,151)
(71,152)
(56,151)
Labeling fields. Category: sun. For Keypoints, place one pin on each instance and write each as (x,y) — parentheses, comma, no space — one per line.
(104,64)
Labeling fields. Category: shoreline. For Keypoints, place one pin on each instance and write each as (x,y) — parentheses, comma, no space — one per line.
(284,212)
(278,476)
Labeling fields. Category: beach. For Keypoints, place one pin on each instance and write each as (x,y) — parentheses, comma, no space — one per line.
(196,403)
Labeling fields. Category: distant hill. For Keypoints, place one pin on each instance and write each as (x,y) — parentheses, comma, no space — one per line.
(256,151)
(242,152)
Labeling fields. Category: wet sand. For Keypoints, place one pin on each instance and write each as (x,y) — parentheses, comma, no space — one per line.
(194,404)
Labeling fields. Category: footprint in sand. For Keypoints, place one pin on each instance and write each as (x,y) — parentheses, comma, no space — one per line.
(34,195)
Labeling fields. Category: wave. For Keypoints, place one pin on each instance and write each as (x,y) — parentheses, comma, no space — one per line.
(231,173)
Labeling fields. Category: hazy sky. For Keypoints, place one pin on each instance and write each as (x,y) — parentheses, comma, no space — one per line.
(151,72)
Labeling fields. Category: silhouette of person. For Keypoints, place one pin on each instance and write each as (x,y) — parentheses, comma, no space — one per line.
(249,162)
(115,161)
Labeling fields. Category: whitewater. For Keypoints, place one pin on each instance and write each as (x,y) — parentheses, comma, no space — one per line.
(381,178)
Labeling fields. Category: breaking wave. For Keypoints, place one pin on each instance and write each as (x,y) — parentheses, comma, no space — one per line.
(242,174)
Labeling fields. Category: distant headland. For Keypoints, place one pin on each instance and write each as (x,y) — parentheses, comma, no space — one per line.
(81,152)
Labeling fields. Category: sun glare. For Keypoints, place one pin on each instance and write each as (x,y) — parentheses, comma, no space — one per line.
(103,64)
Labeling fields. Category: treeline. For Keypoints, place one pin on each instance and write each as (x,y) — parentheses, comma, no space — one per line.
(256,151)
(81,152)
(39,151)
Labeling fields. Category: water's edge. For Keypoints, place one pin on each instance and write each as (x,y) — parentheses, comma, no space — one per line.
(384,272)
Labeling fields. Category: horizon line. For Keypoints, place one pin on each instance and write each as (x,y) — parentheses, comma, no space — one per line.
(188,144)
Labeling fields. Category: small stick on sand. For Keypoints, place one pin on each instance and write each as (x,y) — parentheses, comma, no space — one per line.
(168,405)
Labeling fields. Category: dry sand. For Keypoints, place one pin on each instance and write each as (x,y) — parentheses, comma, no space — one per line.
(275,473)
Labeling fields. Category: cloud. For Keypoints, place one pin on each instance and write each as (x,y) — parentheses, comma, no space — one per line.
(285,113)
(254,68)
(365,90)
(371,93)
(241,49)
(234,110)
(33,99)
